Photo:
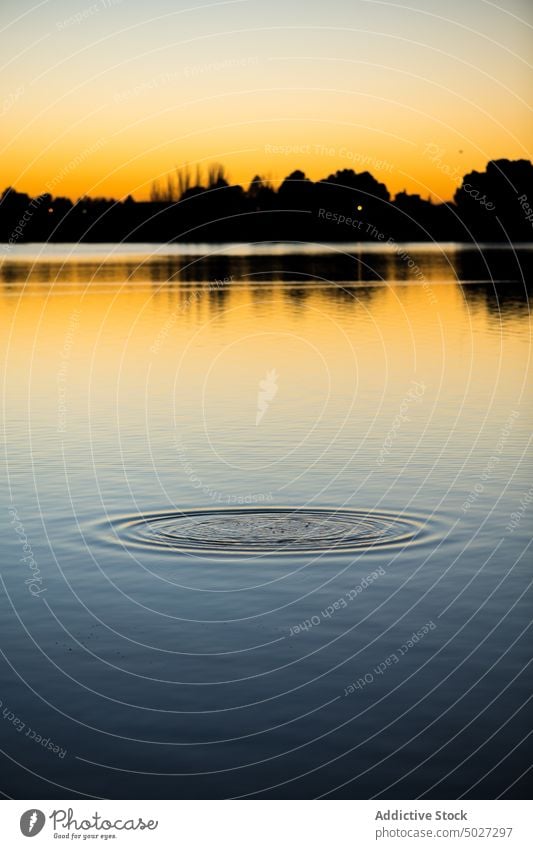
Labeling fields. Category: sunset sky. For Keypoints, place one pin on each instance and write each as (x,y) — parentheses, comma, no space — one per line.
(101,98)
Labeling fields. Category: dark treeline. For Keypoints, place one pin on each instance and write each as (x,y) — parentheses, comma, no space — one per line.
(494,205)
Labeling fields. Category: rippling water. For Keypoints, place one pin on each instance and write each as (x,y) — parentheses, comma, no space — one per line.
(280,530)
(266,522)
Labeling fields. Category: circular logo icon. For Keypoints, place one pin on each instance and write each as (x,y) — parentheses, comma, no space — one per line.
(32,822)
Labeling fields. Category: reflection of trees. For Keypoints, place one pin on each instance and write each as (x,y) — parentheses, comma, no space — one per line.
(503,301)
(503,280)
(494,264)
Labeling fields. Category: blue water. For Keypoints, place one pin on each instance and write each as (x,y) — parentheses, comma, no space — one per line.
(275,507)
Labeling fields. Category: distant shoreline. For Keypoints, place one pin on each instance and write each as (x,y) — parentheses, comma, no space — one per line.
(491,206)
(46,250)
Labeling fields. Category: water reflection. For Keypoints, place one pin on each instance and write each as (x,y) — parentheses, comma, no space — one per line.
(503,301)
(349,264)
(133,389)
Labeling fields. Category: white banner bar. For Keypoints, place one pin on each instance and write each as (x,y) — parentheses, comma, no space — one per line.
(267,824)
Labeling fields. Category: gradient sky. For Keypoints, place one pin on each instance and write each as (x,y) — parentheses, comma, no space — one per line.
(102,97)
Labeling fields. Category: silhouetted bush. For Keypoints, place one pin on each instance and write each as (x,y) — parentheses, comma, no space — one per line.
(494,205)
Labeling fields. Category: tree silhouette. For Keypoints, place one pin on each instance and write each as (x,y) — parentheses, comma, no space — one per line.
(494,205)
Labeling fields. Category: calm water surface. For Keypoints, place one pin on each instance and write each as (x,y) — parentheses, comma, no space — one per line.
(266,521)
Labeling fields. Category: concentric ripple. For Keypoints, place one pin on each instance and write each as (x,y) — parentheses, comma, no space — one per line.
(267,530)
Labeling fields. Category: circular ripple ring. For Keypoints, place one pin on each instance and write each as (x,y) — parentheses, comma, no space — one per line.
(267,530)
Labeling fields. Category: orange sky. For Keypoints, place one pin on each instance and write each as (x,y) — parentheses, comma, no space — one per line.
(102,98)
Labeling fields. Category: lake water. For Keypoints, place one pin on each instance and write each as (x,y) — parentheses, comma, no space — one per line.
(266,521)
